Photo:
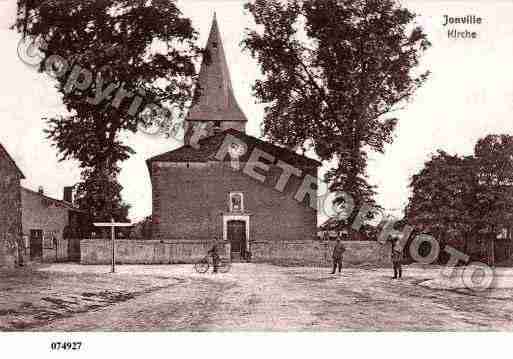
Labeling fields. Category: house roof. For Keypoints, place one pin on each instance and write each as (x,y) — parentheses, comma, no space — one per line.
(6,154)
(208,147)
(217,101)
(57,202)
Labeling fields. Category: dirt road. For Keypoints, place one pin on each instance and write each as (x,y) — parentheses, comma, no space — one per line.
(265,297)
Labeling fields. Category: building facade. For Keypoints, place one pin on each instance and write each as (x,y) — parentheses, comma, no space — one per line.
(224,184)
(10,210)
(51,227)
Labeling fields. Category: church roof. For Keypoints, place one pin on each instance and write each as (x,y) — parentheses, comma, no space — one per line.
(209,146)
(217,101)
(5,154)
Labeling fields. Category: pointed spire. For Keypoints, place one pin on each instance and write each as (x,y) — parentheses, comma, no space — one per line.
(217,101)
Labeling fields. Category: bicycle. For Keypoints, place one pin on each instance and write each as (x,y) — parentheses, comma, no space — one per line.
(203,265)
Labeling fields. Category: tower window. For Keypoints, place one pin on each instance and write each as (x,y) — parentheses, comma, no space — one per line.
(214,44)
(217,125)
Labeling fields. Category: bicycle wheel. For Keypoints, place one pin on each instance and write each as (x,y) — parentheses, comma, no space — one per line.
(202,266)
(224,266)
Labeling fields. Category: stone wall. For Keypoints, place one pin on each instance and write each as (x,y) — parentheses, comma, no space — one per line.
(56,252)
(319,252)
(98,251)
(10,211)
(7,255)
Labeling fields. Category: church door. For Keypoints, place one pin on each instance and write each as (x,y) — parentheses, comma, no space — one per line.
(237,237)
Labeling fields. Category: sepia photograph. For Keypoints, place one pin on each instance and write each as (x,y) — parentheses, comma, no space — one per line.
(340,167)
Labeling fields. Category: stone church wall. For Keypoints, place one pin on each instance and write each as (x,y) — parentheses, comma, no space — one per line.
(189,203)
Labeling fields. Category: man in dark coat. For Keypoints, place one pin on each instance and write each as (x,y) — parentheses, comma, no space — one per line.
(397,260)
(338,251)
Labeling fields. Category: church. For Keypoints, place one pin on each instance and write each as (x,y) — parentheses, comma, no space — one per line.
(228,186)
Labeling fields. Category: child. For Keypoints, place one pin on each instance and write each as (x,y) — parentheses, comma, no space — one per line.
(215,256)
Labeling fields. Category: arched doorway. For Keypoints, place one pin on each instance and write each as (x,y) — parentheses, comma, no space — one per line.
(236,235)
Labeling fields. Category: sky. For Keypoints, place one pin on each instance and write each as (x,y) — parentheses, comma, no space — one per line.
(469,95)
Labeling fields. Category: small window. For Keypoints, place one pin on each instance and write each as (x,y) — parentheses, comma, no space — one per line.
(217,125)
(236,202)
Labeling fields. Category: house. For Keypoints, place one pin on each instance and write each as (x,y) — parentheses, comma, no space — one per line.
(334,228)
(10,210)
(34,226)
(223,184)
(52,228)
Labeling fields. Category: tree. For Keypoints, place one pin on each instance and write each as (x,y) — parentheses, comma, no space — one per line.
(470,198)
(119,62)
(494,158)
(443,200)
(142,229)
(333,71)
(100,195)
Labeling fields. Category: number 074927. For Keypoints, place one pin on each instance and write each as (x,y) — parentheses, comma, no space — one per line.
(65,345)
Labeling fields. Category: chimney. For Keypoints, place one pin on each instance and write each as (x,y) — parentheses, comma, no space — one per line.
(41,190)
(68,194)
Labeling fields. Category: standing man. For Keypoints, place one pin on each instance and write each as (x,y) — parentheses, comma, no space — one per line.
(338,251)
(397,259)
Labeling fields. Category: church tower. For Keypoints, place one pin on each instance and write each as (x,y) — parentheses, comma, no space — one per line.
(216,107)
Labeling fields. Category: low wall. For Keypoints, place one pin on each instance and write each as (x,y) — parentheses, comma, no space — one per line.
(98,251)
(366,252)
(309,252)
(57,252)
(320,252)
